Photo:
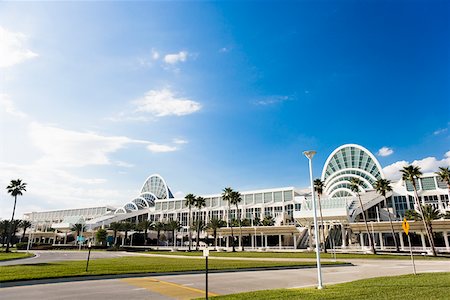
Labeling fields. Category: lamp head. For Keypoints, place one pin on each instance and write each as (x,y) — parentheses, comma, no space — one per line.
(309,154)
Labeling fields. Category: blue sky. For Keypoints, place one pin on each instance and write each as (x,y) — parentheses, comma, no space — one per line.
(94,97)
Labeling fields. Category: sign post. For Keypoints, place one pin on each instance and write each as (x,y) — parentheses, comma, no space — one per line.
(89,255)
(206,254)
(405,226)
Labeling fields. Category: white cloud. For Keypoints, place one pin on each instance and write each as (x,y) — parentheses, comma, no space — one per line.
(7,105)
(179,194)
(179,141)
(428,164)
(174,58)
(13,50)
(74,149)
(440,131)
(385,151)
(272,100)
(155,54)
(224,50)
(160,148)
(163,102)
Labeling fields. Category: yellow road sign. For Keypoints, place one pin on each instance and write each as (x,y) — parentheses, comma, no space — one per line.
(405,226)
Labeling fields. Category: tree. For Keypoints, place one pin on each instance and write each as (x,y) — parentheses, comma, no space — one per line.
(200,202)
(4,229)
(189,202)
(226,196)
(127,226)
(215,224)
(78,228)
(15,188)
(158,227)
(429,214)
(444,175)
(256,221)
(318,187)
(173,226)
(115,227)
(13,230)
(412,173)
(101,236)
(145,226)
(235,200)
(25,224)
(355,184)
(200,226)
(382,186)
(268,221)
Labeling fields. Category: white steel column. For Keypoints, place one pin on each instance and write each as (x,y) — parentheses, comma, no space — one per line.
(295,241)
(424,244)
(279,241)
(402,243)
(380,236)
(447,246)
(344,237)
(361,240)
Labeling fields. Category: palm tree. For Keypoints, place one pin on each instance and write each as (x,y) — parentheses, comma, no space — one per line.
(158,227)
(226,196)
(127,226)
(318,187)
(14,226)
(145,226)
(382,186)
(411,173)
(4,229)
(215,224)
(235,200)
(444,175)
(115,227)
(268,221)
(355,183)
(78,228)
(429,214)
(25,224)
(200,202)
(15,188)
(101,236)
(190,201)
(174,226)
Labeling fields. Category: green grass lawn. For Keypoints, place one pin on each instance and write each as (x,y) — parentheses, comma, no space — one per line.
(421,286)
(13,255)
(295,255)
(128,265)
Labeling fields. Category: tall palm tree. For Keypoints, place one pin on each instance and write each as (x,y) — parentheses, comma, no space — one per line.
(444,175)
(355,183)
(318,187)
(382,186)
(25,224)
(190,201)
(13,230)
(158,227)
(215,224)
(200,202)
(235,200)
(127,226)
(429,214)
(78,228)
(15,188)
(145,226)
(115,227)
(173,226)
(226,196)
(4,229)
(411,173)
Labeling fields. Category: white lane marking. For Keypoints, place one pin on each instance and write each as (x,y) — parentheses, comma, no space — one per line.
(139,289)
(433,271)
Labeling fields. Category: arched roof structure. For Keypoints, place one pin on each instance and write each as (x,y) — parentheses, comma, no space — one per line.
(347,162)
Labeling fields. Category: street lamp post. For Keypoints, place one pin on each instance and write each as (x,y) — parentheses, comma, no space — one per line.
(309,155)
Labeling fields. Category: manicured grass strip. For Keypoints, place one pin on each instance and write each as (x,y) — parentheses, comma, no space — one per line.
(295,255)
(421,286)
(14,255)
(129,265)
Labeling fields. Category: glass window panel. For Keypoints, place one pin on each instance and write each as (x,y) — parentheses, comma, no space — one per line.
(267,197)
(278,196)
(258,198)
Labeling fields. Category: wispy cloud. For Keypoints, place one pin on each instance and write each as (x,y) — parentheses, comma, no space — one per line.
(174,58)
(385,151)
(160,148)
(7,105)
(440,131)
(164,102)
(272,100)
(13,48)
(179,141)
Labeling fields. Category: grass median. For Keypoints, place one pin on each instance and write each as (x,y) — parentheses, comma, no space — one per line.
(130,265)
(13,255)
(297,255)
(421,286)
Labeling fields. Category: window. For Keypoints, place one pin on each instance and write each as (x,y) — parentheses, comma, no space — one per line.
(268,211)
(428,183)
(249,199)
(278,196)
(267,197)
(258,198)
(288,196)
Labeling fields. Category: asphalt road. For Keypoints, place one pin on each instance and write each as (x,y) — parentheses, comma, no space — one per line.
(192,286)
